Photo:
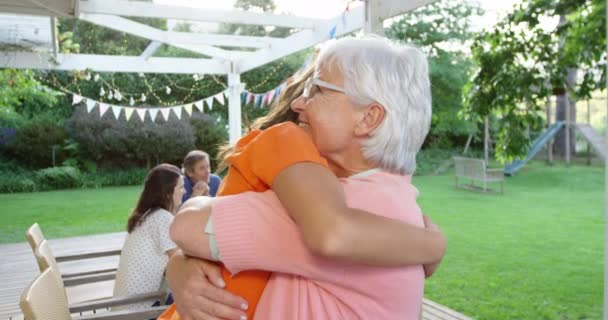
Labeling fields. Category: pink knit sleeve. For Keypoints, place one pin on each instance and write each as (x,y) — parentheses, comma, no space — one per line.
(254,232)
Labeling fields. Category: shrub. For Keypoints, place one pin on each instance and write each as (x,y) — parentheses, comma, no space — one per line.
(33,142)
(129,177)
(58,178)
(120,143)
(11,183)
(208,135)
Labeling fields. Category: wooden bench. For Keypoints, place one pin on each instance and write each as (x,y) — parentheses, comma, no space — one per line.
(434,311)
(476,170)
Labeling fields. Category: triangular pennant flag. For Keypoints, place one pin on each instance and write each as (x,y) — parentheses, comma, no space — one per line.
(332,32)
(129,112)
(116,110)
(90,105)
(209,102)
(258,99)
(165,112)
(249,97)
(76,99)
(102,109)
(178,111)
(220,97)
(244,97)
(188,108)
(271,95)
(141,112)
(199,105)
(153,113)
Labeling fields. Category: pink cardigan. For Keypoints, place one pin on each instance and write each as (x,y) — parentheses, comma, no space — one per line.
(254,232)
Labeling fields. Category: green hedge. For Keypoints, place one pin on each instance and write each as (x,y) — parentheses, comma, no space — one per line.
(16,179)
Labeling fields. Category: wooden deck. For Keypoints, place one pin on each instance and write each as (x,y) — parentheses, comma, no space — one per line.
(18,268)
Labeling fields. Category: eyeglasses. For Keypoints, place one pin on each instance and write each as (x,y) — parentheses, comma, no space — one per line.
(312,81)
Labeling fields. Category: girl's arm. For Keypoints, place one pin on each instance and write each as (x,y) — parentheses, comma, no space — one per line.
(314,197)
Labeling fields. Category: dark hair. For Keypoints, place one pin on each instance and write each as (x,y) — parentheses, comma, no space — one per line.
(192,158)
(280,112)
(157,194)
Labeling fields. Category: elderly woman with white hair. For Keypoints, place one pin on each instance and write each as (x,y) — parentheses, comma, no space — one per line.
(367,108)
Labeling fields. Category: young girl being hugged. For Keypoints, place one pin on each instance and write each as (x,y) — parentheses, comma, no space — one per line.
(148,245)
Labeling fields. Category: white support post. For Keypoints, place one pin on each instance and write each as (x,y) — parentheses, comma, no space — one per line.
(54,37)
(606,200)
(486,138)
(373,20)
(235,88)
(568,129)
(550,144)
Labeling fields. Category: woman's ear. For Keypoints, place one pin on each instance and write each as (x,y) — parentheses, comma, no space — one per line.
(372,118)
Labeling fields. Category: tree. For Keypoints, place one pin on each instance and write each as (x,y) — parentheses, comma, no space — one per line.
(521,63)
(442,29)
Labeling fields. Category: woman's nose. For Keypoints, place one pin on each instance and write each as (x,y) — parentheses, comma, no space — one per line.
(297,105)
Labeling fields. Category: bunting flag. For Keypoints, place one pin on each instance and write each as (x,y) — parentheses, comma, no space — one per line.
(90,105)
(209,102)
(165,113)
(271,95)
(76,99)
(332,32)
(141,112)
(102,109)
(129,112)
(188,108)
(116,110)
(258,99)
(199,106)
(178,111)
(220,97)
(153,113)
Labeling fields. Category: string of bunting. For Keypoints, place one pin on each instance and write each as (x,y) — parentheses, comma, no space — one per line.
(152,112)
(260,100)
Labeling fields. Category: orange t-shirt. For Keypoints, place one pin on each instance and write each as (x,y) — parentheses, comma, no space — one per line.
(257,160)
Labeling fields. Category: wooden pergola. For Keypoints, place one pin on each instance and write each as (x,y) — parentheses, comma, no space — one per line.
(226,53)
(37,18)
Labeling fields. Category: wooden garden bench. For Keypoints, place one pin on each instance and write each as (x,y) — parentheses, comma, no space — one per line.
(476,170)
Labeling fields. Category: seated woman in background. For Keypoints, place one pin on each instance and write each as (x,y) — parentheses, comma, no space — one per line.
(148,245)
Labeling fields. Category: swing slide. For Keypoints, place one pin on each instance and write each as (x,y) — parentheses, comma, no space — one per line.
(537,146)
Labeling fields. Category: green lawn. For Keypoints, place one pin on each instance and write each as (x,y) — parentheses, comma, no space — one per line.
(67,212)
(535,252)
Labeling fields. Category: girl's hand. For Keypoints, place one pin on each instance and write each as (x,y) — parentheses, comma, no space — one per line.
(430,268)
(197,289)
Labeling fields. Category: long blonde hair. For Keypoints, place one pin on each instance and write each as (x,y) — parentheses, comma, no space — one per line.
(280,112)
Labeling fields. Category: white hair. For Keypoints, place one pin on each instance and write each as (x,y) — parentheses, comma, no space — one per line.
(376,70)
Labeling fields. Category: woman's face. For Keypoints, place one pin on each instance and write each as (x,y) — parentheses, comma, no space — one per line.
(328,116)
(178,193)
(201,171)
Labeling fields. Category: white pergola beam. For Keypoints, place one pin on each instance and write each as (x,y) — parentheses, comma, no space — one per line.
(353,20)
(55,7)
(154,10)
(170,38)
(390,8)
(151,49)
(224,40)
(105,63)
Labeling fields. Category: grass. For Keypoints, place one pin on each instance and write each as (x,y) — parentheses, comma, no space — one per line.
(535,252)
(66,213)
